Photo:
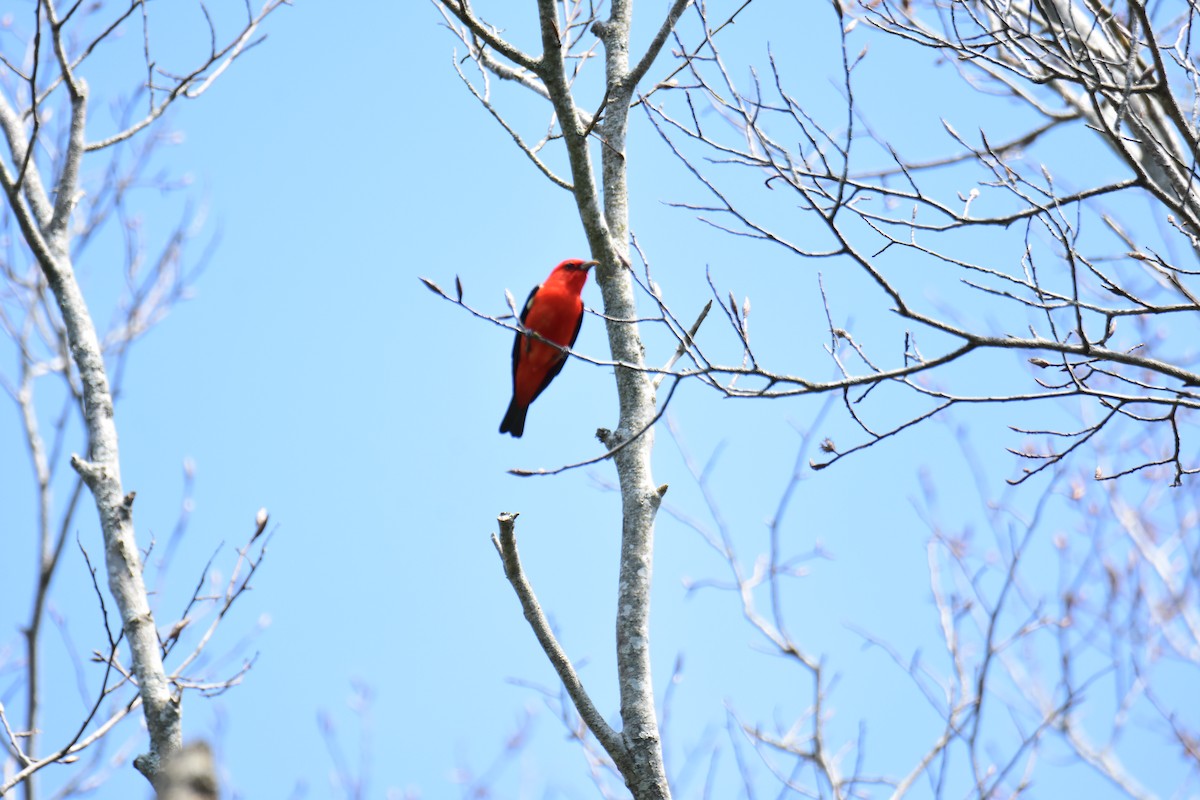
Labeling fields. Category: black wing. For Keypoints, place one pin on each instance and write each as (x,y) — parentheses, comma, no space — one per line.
(517,339)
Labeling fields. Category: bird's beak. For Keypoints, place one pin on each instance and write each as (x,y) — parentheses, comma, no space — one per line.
(589,264)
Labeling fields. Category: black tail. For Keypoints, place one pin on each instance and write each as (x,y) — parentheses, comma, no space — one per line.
(514,419)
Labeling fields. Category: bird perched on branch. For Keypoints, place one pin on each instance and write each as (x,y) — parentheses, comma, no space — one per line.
(554,311)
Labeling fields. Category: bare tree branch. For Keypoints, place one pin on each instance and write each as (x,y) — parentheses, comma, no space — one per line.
(57,210)
(506,546)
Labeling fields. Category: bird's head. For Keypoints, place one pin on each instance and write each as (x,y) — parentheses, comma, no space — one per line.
(573,273)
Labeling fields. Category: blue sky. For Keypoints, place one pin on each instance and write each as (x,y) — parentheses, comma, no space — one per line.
(312,374)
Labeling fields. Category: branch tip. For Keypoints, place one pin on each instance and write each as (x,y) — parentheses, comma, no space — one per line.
(431,286)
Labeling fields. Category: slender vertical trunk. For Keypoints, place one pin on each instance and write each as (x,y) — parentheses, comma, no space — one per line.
(639,495)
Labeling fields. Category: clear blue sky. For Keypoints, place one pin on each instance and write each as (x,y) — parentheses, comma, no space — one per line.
(312,374)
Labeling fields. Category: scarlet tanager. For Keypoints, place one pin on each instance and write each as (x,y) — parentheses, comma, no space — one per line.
(554,311)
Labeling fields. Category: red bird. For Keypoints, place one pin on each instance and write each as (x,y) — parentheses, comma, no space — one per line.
(554,311)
